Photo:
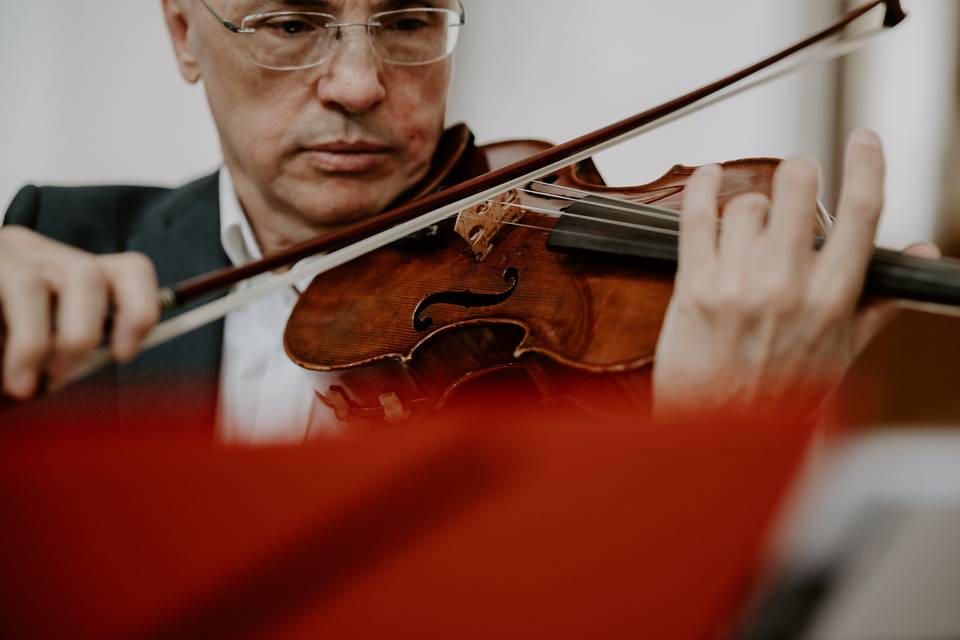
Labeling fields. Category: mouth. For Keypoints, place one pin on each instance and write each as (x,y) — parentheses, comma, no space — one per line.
(348,156)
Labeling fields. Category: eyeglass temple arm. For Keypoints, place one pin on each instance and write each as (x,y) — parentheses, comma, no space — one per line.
(232,26)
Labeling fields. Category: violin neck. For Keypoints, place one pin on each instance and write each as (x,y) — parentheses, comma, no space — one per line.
(890,274)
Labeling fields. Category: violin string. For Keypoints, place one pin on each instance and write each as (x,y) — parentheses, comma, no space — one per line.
(580,234)
(945,270)
(569,232)
(582,216)
(583,233)
(605,221)
(613,203)
(605,201)
(629,206)
(606,205)
(610,198)
(670,189)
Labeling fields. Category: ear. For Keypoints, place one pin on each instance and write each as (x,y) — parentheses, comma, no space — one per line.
(178,20)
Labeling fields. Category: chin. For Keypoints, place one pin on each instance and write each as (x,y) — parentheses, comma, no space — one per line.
(342,200)
(326,211)
(332,202)
(341,217)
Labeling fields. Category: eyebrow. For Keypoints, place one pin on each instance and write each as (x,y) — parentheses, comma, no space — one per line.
(393,5)
(319,4)
(326,6)
(377,6)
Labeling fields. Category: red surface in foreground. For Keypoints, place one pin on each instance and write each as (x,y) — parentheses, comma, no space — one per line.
(544,525)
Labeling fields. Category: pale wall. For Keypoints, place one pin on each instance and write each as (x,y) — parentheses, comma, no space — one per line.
(91,93)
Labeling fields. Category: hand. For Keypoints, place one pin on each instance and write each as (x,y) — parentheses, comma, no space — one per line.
(758,318)
(55,302)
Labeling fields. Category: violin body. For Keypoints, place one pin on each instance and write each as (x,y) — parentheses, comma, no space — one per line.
(409,325)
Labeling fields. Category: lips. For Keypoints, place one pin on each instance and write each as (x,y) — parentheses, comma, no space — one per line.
(348,156)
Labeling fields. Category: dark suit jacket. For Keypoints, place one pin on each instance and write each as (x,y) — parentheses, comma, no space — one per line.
(179,230)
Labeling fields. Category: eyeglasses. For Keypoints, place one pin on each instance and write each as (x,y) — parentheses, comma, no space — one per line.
(291,40)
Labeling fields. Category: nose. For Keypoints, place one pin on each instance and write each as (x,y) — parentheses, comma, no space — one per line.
(352,79)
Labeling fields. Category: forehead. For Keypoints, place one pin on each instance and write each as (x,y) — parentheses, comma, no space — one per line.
(247,7)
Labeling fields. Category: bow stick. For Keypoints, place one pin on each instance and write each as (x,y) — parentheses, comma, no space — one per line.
(363,237)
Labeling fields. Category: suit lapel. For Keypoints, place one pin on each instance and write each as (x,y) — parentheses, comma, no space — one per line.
(181,236)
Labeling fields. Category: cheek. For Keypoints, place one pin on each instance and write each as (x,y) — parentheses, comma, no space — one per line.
(253,115)
(263,130)
(419,105)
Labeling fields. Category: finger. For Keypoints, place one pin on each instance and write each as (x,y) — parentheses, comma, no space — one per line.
(133,284)
(698,220)
(81,293)
(796,184)
(843,260)
(923,250)
(871,320)
(743,221)
(39,251)
(26,313)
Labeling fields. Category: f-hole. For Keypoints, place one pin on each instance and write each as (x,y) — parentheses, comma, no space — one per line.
(466,299)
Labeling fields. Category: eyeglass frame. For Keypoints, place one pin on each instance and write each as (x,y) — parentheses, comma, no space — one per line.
(243,29)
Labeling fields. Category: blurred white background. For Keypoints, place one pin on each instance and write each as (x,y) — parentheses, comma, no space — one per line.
(92,94)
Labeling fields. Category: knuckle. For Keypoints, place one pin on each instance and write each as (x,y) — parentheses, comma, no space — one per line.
(28,350)
(14,233)
(747,204)
(865,204)
(800,172)
(780,292)
(730,297)
(23,360)
(76,342)
(699,195)
(86,272)
(695,296)
(17,281)
(137,264)
(140,319)
(831,307)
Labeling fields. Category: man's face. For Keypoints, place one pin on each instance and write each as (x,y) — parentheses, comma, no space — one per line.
(325,145)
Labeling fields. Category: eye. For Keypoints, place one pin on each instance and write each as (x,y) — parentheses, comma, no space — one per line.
(408,24)
(290,26)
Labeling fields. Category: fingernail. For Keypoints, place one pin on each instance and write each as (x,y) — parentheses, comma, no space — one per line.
(22,385)
(865,137)
(124,349)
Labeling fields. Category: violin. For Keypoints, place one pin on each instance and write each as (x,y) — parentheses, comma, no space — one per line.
(544,269)
(566,279)
(562,279)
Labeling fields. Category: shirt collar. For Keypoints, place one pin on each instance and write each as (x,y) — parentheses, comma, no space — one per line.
(236,235)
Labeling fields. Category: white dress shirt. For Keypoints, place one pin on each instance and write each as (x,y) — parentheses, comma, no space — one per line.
(264,397)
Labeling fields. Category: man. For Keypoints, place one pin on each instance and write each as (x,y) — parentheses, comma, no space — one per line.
(327,119)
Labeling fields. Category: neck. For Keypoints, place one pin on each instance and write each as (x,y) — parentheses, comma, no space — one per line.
(275,227)
(276,231)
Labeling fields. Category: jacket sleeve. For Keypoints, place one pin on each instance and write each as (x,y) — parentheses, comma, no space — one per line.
(93,219)
(24,208)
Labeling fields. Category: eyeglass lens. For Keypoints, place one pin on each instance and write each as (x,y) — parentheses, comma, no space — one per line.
(412,36)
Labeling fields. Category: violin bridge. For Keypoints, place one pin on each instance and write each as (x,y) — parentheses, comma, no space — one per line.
(480,224)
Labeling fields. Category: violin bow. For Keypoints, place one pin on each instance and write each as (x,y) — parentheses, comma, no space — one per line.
(360,238)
